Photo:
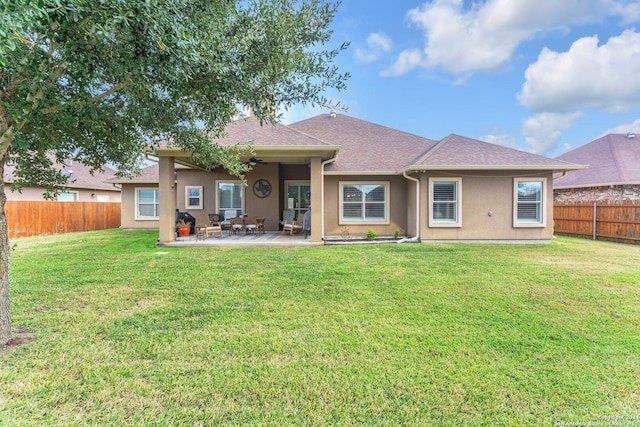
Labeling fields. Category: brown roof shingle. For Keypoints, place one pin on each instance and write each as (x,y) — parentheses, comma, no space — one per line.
(364,146)
(367,147)
(457,151)
(263,135)
(80,178)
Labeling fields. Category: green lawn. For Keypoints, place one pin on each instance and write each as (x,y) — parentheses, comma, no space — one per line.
(410,334)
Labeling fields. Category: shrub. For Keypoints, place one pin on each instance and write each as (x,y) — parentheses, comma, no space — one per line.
(371,234)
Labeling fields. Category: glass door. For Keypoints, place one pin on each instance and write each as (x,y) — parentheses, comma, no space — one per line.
(298,197)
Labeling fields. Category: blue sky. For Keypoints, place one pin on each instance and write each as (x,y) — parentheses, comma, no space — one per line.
(544,76)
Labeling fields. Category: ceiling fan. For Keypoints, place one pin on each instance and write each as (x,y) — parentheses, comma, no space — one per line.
(253,161)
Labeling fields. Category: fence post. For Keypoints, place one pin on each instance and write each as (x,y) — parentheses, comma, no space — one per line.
(595,207)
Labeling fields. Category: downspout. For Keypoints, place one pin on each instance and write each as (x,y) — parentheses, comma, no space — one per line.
(417,181)
(322,165)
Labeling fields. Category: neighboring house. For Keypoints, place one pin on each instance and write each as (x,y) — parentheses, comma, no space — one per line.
(82,186)
(357,176)
(613,174)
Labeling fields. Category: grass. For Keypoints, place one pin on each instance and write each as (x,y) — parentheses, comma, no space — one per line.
(339,335)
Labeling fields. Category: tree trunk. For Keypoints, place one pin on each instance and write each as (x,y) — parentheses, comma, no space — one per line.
(5,307)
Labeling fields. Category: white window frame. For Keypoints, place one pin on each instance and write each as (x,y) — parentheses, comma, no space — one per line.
(187,198)
(139,217)
(75,193)
(436,222)
(542,222)
(242,194)
(384,221)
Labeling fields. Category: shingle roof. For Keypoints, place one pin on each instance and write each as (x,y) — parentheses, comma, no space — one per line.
(364,146)
(148,175)
(613,159)
(367,147)
(80,178)
(457,151)
(265,135)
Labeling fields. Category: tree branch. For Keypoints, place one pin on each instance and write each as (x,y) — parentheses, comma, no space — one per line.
(112,90)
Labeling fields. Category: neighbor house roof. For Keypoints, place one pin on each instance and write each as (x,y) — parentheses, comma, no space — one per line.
(613,159)
(80,176)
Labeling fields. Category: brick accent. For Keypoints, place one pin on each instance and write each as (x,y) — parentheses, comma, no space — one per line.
(615,194)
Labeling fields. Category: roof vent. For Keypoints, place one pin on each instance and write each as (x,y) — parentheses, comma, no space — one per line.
(631,135)
(332,114)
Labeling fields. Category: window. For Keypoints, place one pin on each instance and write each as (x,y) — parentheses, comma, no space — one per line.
(68,196)
(298,197)
(193,197)
(229,195)
(445,202)
(102,198)
(364,203)
(529,199)
(147,203)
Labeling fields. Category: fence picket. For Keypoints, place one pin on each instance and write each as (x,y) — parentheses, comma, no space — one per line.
(602,221)
(33,218)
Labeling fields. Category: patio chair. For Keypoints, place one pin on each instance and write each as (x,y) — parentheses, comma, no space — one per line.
(250,225)
(306,222)
(226,215)
(236,225)
(289,223)
(261,221)
(204,225)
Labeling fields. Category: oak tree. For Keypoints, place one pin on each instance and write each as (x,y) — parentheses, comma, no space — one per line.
(96,80)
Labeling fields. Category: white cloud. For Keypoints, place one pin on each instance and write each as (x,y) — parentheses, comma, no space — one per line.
(630,11)
(605,77)
(504,140)
(543,131)
(377,44)
(633,127)
(407,61)
(483,37)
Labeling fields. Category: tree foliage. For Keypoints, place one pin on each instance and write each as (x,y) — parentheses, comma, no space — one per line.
(96,80)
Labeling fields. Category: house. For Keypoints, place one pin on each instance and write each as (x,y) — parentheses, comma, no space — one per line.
(355,176)
(613,174)
(82,186)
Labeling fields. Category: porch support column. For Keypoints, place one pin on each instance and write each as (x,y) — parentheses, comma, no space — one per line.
(316,199)
(167,223)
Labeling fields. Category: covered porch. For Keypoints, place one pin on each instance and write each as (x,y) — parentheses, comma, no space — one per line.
(266,193)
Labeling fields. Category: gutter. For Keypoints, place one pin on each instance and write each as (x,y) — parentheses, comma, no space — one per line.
(564,173)
(322,165)
(416,238)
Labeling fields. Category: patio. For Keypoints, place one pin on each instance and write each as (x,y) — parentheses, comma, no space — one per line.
(269,238)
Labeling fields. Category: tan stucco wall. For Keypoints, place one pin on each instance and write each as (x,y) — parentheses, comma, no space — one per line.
(129,206)
(84,195)
(397,206)
(268,207)
(481,194)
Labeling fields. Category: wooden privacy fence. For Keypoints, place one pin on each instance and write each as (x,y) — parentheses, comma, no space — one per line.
(601,221)
(35,218)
